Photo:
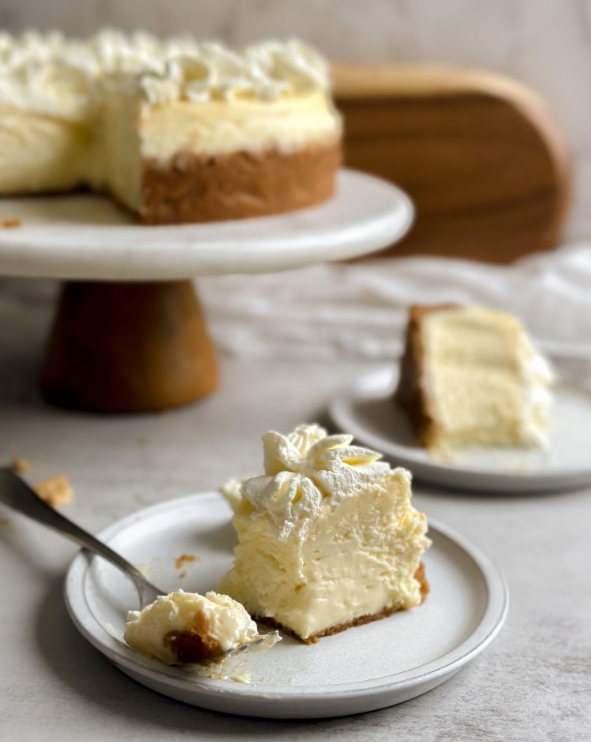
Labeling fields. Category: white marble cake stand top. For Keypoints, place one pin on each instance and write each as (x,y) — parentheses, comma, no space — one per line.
(88,237)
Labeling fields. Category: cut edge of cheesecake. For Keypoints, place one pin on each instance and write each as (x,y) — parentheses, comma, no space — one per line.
(419,576)
(411,393)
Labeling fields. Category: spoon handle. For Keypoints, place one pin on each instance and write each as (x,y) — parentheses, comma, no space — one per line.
(16,494)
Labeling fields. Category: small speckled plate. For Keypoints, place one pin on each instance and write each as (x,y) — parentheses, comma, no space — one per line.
(188,543)
(366,410)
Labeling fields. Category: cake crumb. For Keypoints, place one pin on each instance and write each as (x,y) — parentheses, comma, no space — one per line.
(5,521)
(55,491)
(10,223)
(142,442)
(20,465)
(184,558)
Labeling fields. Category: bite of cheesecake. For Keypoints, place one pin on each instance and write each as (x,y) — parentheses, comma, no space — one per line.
(187,627)
(327,537)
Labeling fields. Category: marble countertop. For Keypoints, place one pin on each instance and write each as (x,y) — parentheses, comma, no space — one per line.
(533,683)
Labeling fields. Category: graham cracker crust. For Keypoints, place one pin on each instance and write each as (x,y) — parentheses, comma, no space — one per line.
(199,188)
(411,393)
(196,644)
(420,577)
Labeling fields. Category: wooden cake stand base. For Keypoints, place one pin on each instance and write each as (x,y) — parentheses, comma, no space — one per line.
(128,347)
(129,335)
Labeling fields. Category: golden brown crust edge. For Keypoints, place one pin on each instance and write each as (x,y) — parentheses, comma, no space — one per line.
(195,645)
(199,188)
(419,576)
(411,393)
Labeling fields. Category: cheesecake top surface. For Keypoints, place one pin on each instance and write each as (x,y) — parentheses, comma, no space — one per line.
(54,75)
(305,472)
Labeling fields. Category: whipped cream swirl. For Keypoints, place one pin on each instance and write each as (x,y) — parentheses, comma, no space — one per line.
(70,78)
(305,469)
(211,71)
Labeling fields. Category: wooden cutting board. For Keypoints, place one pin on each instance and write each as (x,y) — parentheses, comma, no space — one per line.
(480,155)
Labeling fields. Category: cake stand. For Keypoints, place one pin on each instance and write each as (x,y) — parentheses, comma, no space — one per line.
(129,334)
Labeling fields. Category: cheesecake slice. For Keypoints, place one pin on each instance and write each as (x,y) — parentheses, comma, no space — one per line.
(175,130)
(185,627)
(327,537)
(470,377)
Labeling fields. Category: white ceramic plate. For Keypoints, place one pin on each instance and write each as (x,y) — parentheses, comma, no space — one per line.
(367,411)
(89,237)
(362,669)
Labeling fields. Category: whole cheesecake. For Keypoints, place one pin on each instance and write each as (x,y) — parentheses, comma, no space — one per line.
(176,131)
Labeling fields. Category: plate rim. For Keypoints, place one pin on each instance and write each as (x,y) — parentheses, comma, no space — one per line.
(497,482)
(484,633)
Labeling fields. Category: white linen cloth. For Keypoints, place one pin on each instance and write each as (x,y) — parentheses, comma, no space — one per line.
(358,310)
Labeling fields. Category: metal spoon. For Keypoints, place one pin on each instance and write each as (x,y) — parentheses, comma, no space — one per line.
(16,494)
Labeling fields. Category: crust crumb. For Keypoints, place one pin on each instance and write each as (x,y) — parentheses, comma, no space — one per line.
(21,465)
(10,223)
(195,645)
(56,491)
(184,558)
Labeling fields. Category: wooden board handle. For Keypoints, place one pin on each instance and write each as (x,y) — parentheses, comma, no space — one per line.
(479,154)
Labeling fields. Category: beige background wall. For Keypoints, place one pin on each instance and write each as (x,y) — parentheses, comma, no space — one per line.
(544,43)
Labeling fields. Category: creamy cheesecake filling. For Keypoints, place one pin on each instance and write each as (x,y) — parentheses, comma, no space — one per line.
(114,164)
(485,382)
(326,537)
(187,627)
(41,153)
(219,127)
